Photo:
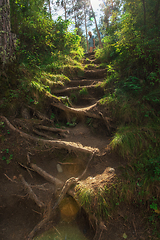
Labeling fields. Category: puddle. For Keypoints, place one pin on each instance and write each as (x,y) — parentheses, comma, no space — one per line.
(63,231)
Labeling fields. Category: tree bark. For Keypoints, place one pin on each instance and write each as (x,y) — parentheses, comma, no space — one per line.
(85,18)
(6,37)
(100,43)
(50,11)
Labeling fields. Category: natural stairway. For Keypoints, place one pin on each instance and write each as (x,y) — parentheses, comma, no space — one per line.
(79,151)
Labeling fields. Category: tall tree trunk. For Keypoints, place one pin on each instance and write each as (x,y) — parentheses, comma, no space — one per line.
(74,12)
(85,19)
(65,9)
(100,43)
(156,12)
(6,37)
(144,10)
(49,6)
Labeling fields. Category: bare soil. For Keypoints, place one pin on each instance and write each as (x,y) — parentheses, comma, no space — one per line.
(19,214)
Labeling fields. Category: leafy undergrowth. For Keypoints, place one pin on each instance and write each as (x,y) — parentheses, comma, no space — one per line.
(31,85)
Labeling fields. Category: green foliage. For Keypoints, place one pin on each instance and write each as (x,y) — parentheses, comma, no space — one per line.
(83,91)
(7,157)
(40,37)
(131,140)
(108,52)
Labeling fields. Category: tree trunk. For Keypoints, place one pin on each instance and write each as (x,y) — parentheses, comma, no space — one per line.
(85,18)
(65,9)
(49,6)
(100,43)
(6,37)
(156,12)
(144,10)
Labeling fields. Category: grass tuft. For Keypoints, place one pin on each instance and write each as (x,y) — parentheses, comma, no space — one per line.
(130,141)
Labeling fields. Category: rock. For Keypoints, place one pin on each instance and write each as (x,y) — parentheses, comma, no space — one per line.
(59,168)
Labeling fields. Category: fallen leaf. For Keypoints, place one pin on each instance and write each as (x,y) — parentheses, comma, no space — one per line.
(124,235)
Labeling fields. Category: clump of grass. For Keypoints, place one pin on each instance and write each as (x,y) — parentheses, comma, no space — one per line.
(85,196)
(132,140)
(83,91)
(100,201)
(72,71)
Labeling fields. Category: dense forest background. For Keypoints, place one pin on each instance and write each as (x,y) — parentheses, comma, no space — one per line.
(38,53)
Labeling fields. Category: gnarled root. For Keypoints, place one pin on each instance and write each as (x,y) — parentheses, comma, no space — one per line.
(31,193)
(71,146)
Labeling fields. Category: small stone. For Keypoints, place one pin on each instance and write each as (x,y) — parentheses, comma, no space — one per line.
(59,168)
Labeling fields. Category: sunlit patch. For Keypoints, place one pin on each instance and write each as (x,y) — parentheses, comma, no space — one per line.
(68,209)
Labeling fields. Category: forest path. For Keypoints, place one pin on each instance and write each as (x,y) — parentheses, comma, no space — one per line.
(62,152)
(83,114)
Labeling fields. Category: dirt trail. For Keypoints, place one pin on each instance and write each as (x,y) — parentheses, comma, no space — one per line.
(86,127)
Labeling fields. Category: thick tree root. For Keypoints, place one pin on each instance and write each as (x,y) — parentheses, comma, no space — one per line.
(85,112)
(46,175)
(39,226)
(71,146)
(82,112)
(70,182)
(92,86)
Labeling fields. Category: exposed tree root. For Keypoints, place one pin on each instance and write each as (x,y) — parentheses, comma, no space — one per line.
(71,146)
(70,182)
(40,115)
(106,121)
(42,134)
(31,193)
(46,175)
(86,111)
(51,129)
(73,88)
(64,190)
(39,226)
(82,112)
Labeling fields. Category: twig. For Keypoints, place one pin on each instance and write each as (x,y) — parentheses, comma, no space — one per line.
(80,177)
(106,121)
(28,158)
(28,169)
(10,178)
(68,163)
(36,212)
